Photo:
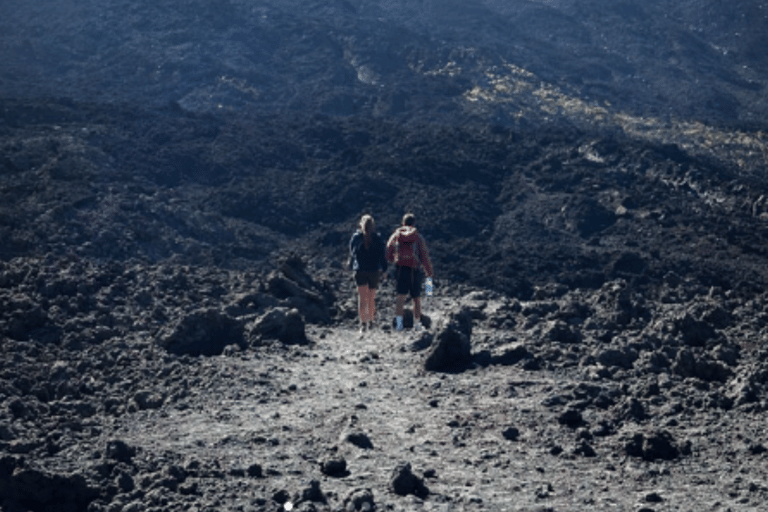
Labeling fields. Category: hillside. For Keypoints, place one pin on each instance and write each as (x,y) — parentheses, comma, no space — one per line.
(178,184)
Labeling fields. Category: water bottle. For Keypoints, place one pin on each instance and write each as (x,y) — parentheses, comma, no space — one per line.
(428,287)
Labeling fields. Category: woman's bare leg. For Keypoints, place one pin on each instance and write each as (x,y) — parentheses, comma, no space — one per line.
(372,306)
(362,303)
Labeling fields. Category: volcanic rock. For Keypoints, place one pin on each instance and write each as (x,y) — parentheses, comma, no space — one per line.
(511,433)
(584,449)
(286,325)
(334,467)
(295,287)
(623,356)
(561,332)
(202,332)
(43,490)
(690,364)
(120,451)
(255,471)
(360,439)
(178,185)
(651,446)
(571,418)
(404,482)
(360,500)
(313,493)
(451,347)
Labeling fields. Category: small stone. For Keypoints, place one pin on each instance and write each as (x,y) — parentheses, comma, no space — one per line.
(652,446)
(120,451)
(281,496)
(125,482)
(511,434)
(404,482)
(361,440)
(359,500)
(653,497)
(313,493)
(556,450)
(585,450)
(571,418)
(335,467)
(255,471)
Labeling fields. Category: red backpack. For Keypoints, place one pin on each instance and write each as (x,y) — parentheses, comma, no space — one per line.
(407,248)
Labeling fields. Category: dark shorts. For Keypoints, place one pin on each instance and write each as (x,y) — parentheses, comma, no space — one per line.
(408,281)
(369,279)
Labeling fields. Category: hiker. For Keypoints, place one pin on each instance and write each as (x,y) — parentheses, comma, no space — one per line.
(366,250)
(407,249)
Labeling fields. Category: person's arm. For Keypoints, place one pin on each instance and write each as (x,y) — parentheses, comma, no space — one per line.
(390,250)
(424,257)
(383,257)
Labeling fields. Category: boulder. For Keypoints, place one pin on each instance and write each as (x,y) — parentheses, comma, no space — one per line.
(202,332)
(623,357)
(693,331)
(691,364)
(450,351)
(286,325)
(297,289)
(42,490)
(560,331)
(120,451)
(653,445)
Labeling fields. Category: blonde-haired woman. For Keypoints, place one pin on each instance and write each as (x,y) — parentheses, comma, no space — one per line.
(367,249)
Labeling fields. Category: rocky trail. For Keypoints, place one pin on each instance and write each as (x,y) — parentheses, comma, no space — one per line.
(500,405)
(178,185)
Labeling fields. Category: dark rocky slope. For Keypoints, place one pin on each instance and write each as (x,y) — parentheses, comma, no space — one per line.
(177,188)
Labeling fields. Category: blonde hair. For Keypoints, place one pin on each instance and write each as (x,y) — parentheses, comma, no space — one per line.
(367,225)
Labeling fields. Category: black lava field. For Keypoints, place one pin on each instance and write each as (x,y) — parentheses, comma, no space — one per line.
(178,185)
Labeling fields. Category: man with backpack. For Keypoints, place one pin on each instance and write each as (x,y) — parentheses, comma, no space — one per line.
(407,249)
